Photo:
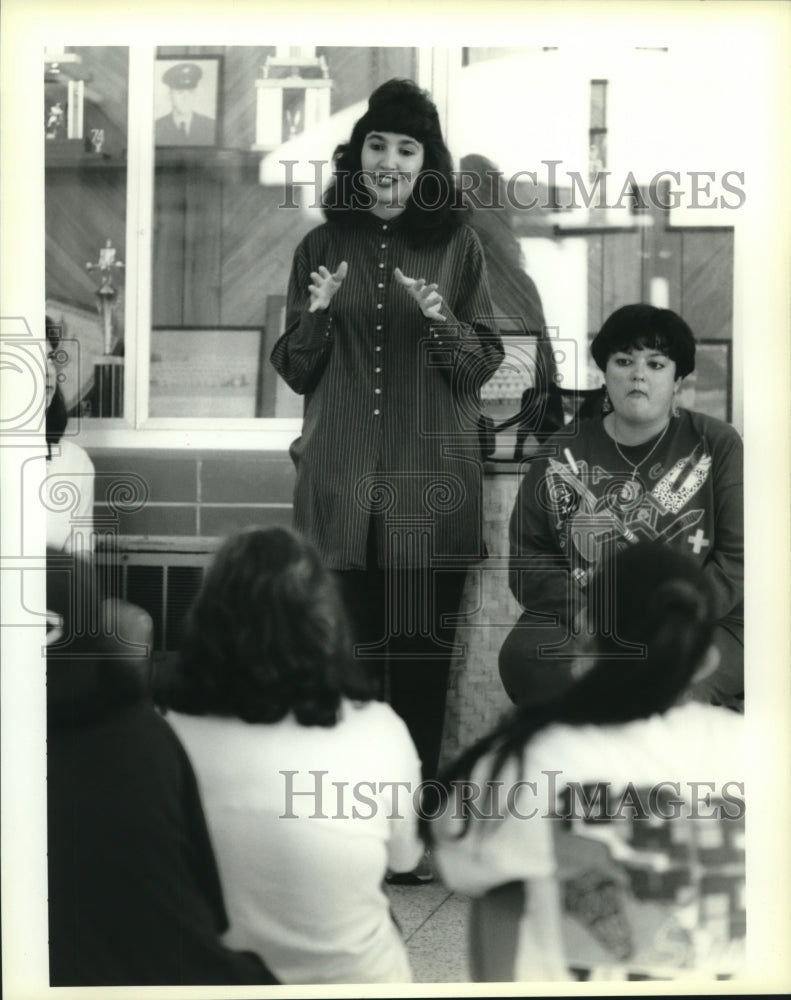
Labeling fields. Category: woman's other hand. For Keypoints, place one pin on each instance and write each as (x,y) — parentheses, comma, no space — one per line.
(325,285)
(426,296)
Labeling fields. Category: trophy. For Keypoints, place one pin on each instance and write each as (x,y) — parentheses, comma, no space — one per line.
(108,369)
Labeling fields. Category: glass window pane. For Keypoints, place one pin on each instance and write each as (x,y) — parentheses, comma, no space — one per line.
(598,104)
(205,373)
(597,159)
(228,213)
(85,136)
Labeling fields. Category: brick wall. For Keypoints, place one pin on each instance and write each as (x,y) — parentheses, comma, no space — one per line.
(194,494)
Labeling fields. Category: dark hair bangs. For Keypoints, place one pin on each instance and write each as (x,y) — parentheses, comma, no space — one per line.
(647,340)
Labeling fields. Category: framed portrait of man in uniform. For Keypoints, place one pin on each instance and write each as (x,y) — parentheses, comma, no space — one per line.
(186,100)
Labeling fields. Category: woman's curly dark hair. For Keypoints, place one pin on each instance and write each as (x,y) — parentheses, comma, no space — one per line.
(266,636)
(434,210)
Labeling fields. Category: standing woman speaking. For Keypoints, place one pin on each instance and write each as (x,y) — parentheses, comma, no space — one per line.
(389,337)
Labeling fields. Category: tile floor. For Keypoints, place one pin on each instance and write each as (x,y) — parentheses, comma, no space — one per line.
(434,924)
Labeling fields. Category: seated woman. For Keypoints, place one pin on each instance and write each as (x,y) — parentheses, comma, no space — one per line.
(646,469)
(297,766)
(134,895)
(617,718)
(69,529)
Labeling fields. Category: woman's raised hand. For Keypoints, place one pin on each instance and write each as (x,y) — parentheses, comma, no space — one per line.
(426,296)
(325,285)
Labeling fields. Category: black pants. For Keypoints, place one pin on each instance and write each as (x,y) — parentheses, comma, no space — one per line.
(405,644)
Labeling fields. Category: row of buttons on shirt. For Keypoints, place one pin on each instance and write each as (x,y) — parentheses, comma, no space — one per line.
(380,305)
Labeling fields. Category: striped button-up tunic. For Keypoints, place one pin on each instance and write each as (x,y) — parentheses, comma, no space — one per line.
(392,398)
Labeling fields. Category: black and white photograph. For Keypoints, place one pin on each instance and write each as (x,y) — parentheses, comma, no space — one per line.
(186,96)
(395,491)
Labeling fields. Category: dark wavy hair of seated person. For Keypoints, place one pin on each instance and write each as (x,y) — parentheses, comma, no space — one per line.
(266,636)
(435,210)
(660,602)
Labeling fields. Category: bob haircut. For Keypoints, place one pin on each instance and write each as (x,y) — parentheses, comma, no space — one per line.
(645,326)
(434,210)
(266,636)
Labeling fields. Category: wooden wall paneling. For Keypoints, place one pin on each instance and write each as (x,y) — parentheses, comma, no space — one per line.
(357,71)
(394,62)
(247,231)
(670,256)
(202,247)
(86,206)
(259,240)
(242,67)
(621,270)
(595,281)
(106,94)
(168,258)
(707,291)
(662,259)
(351,73)
(83,210)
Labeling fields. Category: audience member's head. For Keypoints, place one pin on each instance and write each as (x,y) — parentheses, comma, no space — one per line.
(266,636)
(651,628)
(648,637)
(134,897)
(98,647)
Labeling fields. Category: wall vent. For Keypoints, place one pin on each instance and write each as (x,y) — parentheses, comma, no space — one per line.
(163,583)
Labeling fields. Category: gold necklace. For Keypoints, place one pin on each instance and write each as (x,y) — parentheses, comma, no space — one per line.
(624,490)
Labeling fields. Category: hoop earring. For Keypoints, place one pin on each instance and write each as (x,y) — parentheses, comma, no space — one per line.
(606,403)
